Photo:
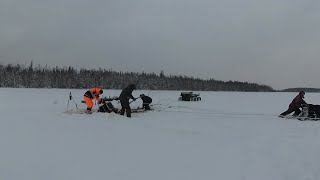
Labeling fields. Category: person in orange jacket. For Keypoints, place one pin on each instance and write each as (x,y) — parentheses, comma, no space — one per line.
(93,93)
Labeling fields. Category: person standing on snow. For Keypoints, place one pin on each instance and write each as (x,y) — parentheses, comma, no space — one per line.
(124,97)
(93,93)
(295,105)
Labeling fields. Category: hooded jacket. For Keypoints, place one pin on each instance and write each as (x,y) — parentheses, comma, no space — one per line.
(126,93)
(297,101)
(94,93)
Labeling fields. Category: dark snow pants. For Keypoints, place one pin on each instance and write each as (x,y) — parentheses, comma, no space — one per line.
(125,107)
(146,106)
(296,111)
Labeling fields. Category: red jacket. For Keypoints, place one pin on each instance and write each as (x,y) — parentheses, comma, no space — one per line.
(93,93)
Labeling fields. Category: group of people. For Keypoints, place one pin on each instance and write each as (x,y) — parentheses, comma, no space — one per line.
(125,96)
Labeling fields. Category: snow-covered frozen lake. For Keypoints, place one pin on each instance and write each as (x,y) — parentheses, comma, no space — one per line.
(226,136)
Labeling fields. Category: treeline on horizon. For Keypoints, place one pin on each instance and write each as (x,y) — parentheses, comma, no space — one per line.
(20,76)
(301,89)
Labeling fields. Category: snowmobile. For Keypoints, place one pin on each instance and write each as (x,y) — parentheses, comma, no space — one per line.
(189,96)
(107,106)
(309,112)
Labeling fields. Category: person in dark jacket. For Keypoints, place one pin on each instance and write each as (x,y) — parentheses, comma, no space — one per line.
(124,97)
(295,105)
(146,101)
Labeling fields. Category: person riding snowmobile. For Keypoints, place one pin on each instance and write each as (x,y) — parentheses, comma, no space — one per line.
(295,105)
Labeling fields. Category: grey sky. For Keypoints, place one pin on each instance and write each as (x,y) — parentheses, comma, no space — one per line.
(273,42)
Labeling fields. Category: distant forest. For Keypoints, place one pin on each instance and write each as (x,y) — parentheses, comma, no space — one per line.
(301,89)
(19,76)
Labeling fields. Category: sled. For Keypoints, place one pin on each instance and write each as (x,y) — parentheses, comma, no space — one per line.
(83,111)
(309,112)
(138,110)
(301,118)
(77,111)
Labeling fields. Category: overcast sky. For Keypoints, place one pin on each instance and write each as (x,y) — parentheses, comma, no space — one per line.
(272,42)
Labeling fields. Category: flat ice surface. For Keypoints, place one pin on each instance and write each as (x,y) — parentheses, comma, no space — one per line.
(226,136)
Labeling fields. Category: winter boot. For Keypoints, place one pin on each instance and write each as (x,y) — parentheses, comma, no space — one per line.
(88,111)
(129,113)
(121,112)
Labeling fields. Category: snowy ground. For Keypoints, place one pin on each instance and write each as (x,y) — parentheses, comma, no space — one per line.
(226,136)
